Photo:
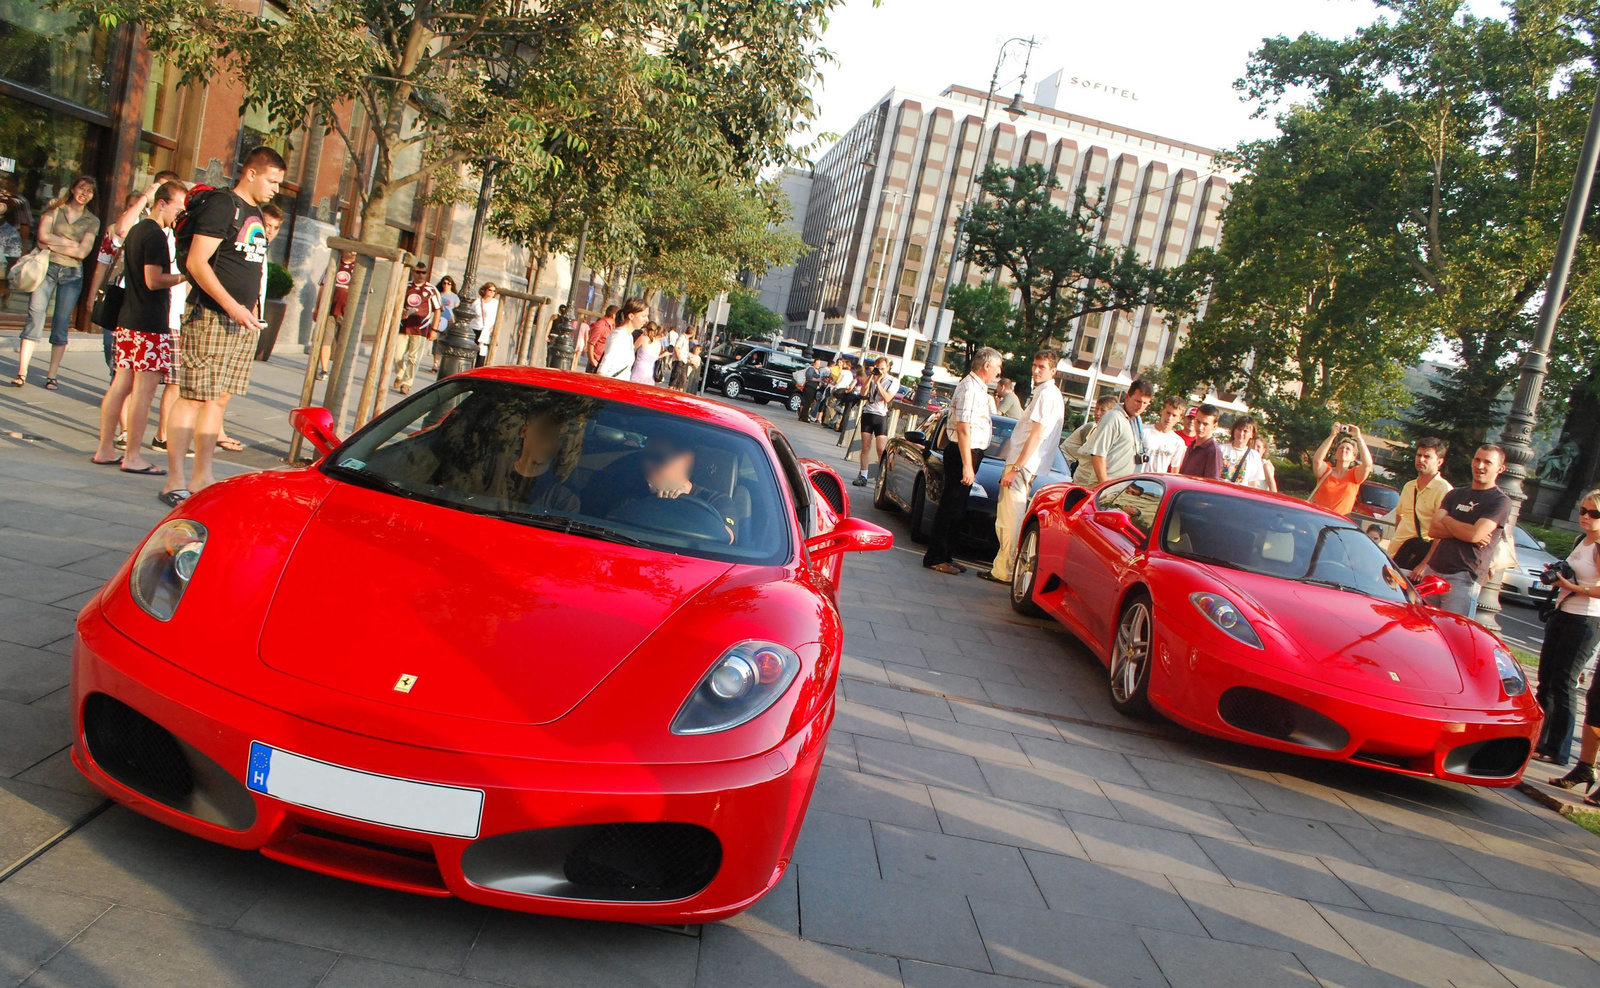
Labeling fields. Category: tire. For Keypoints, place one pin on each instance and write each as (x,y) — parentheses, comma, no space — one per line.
(880,493)
(1025,572)
(761,399)
(1132,656)
(732,388)
(919,508)
(794,403)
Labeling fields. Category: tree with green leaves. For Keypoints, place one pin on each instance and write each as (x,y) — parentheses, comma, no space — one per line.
(981,315)
(1461,134)
(1057,259)
(1300,318)
(748,319)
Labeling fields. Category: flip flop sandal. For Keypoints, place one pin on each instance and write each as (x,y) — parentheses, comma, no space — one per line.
(51,384)
(19,382)
(106,463)
(230,444)
(150,471)
(174,498)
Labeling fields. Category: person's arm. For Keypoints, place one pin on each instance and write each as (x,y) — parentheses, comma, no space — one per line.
(131,215)
(1365,465)
(964,445)
(158,276)
(1098,463)
(1319,459)
(1478,532)
(1072,446)
(1422,567)
(201,250)
(44,238)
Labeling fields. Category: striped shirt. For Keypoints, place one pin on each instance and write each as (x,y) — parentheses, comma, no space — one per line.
(972,404)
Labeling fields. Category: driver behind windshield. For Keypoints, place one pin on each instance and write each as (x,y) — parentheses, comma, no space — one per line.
(661,470)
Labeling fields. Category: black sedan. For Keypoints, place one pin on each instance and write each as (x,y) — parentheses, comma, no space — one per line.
(911,476)
(757,372)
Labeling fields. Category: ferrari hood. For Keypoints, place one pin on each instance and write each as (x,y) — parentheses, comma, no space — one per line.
(438,610)
(1356,642)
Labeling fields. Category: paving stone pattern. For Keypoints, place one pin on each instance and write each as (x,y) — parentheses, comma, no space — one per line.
(983,820)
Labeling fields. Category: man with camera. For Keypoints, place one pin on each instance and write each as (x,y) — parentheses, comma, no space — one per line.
(1465,530)
(1118,447)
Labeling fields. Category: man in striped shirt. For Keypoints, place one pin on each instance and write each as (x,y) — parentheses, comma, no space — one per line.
(967,431)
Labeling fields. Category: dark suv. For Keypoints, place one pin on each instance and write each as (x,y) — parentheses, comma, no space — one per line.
(761,372)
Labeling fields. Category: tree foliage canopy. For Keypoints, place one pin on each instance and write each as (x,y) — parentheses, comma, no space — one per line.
(1413,196)
(748,319)
(1058,260)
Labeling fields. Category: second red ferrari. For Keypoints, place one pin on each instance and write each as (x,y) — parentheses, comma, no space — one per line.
(1262,619)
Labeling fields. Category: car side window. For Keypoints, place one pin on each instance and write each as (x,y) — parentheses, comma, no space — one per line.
(754,359)
(1140,500)
(1107,500)
(795,474)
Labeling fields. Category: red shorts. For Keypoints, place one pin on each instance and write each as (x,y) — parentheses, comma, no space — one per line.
(139,351)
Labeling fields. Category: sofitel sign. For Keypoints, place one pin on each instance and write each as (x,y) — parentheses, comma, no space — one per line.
(1102,87)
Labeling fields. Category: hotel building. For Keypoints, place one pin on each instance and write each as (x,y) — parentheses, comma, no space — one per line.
(881,213)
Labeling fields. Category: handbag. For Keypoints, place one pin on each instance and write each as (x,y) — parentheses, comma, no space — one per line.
(107,306)
(28,274)
(1413,550)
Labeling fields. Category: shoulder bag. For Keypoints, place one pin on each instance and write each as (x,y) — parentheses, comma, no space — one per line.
(28,274)
(108,300)
(1413,550)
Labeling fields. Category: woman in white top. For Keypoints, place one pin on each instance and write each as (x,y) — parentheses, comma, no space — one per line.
(1241,464)
(617,360)
(646,351)
(1568,641)
(487,305)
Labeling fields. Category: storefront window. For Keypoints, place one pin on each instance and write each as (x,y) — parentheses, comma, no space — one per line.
(44,50)
(40,153)
(161,99)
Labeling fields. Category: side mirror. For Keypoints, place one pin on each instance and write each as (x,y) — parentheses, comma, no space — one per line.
(1119,522)
(917,437)
(1432,585)
(850,535)
(316,425)
(1542,546)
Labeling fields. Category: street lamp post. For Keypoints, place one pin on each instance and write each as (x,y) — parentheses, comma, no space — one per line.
(1516,438)
(941,330)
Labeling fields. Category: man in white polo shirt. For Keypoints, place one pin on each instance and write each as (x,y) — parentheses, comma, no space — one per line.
(1031,447)
(967,431)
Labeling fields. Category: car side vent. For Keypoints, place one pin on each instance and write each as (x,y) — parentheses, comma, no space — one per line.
(1499,758)
(829,487)
(606,862)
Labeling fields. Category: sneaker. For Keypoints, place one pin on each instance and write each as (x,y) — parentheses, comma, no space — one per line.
(860,481)
(121,442)
(321,374)
(158,444)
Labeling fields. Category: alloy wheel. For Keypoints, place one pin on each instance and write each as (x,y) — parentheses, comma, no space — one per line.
(1130,657)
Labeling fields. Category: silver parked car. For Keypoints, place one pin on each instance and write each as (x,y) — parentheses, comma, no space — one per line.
(1523,583)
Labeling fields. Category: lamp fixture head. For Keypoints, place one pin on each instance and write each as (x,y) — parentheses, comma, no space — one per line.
(1015,109)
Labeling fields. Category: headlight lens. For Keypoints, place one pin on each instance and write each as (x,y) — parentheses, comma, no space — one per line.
(164,567)
(1512,678)
(1220,611)
(739,686)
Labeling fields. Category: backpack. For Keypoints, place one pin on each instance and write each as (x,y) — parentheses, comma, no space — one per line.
(183,229)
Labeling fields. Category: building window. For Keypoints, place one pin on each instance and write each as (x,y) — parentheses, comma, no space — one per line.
(44,50)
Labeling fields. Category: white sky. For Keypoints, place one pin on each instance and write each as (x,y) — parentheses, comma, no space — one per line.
(1180,56)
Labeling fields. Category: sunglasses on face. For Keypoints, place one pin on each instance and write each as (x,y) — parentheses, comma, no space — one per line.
(1587,513)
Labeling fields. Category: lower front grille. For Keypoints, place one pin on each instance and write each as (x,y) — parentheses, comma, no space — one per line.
(155,763)
(623,862)
(1499,758)
(1273,716)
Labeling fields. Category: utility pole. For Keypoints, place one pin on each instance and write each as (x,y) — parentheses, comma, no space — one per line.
(1517,436)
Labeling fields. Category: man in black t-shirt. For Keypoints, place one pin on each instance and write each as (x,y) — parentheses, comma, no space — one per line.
(1465,530)
(225,263)
(142,350)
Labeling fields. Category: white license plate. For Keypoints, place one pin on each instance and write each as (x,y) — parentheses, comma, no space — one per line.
(348,792)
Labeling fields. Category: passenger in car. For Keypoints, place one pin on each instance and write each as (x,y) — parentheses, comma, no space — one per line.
(536,477)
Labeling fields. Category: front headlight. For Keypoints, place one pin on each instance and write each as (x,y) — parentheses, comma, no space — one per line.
(1220,611)
(739,686)
(1512,678)
(164,567)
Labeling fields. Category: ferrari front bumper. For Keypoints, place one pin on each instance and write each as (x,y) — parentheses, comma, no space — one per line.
(1239,698)
(648,843)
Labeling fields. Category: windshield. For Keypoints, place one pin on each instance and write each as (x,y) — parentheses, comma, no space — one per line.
(1280,540)
(588,466)
(731,351)
(1379,497)
(1526,541)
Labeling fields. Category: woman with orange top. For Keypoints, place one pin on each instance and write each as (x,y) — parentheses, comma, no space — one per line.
(1339,480)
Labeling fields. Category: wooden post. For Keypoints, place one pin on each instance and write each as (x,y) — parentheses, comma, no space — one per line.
(386,327)
(319,333)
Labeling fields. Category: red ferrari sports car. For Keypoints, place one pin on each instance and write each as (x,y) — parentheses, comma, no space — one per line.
(1262,619)
(539,640)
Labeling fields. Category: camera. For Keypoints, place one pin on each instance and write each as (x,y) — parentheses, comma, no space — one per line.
(1556,570)
(1140,459)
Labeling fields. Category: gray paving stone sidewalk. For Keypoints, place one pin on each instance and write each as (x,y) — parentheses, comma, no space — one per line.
(983,819)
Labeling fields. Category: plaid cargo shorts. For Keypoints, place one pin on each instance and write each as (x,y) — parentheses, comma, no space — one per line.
(214,361)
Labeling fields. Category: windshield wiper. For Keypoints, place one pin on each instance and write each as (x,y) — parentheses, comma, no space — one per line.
(571,526)
(1212,560)
(372,479)
(1336,585)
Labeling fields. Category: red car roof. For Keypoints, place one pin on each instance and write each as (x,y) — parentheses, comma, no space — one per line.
(645,395)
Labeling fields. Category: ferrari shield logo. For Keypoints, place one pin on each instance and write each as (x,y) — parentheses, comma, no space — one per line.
(404,683)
